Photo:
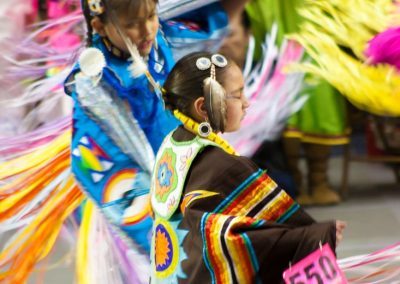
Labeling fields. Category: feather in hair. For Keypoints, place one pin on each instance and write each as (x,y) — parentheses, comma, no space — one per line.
(138,66)
(214,96)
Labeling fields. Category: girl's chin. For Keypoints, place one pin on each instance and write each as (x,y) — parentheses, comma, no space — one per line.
(232,129)
(144,52)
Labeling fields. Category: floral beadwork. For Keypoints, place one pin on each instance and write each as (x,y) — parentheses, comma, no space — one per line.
(166,177)
(165,248)
(168,252)
(186,159)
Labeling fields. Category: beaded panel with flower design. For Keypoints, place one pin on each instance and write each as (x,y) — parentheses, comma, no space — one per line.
(172,165)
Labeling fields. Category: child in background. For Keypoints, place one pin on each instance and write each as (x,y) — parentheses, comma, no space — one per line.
(321,122)
(218,217)
(108,150)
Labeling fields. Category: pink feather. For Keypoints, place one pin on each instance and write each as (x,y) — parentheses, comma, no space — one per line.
(385,48)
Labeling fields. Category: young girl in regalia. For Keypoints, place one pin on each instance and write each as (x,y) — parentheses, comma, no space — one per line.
(218,217)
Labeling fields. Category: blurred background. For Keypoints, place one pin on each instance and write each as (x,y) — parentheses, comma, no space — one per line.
(323,83)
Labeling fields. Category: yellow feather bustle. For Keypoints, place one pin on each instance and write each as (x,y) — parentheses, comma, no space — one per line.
(351,24)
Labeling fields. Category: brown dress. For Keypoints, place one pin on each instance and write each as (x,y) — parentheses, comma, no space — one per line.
(233,223)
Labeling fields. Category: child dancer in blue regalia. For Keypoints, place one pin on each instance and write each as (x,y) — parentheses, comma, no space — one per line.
(119,120)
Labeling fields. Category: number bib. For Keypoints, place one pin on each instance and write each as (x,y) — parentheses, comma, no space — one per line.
(320,267)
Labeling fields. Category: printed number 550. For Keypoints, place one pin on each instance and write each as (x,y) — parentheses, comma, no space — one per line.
(313,275)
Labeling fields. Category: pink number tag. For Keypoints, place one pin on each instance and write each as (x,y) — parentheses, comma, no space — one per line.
(320,267)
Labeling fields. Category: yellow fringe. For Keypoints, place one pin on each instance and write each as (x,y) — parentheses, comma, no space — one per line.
(36,158)
(38,238)
(82,245)
(351,24)
(30,174)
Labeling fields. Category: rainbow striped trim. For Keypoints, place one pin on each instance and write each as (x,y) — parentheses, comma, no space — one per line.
(223,251)
(259,197)
(256,200)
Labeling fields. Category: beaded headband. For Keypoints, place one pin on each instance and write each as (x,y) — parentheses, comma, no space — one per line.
(214,93)
(203,63)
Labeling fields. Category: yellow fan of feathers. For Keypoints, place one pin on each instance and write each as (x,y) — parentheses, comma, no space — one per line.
(336,27)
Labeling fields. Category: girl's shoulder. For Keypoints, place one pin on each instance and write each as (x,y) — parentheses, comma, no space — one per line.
(217,164)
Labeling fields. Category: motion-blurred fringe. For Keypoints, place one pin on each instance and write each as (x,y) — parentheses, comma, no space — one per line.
(335,36)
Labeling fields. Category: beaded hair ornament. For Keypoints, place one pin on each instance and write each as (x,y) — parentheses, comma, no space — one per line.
(96,7)
(194,127)
(214,97)
(214,94)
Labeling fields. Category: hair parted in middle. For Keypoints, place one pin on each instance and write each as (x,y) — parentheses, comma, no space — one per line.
(186,82)
(121,8)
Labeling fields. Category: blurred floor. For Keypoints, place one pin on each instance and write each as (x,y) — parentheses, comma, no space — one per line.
(371,210)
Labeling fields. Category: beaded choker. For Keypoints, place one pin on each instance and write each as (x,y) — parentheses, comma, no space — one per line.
(192,126)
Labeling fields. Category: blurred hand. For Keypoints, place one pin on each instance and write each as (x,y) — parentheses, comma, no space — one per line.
(340,226)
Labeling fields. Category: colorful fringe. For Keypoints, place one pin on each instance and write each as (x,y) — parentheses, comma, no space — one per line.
(39,195)
(336,36)
(382,266)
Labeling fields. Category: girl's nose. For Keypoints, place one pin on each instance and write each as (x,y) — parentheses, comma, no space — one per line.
(147,27)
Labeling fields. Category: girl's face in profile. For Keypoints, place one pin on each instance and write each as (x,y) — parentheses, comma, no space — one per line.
(236,102)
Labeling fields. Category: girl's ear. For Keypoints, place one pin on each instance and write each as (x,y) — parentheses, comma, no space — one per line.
(200,109)
(98,26)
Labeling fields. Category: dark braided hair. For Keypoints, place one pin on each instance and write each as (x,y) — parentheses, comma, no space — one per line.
(88,18)
(185,82)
